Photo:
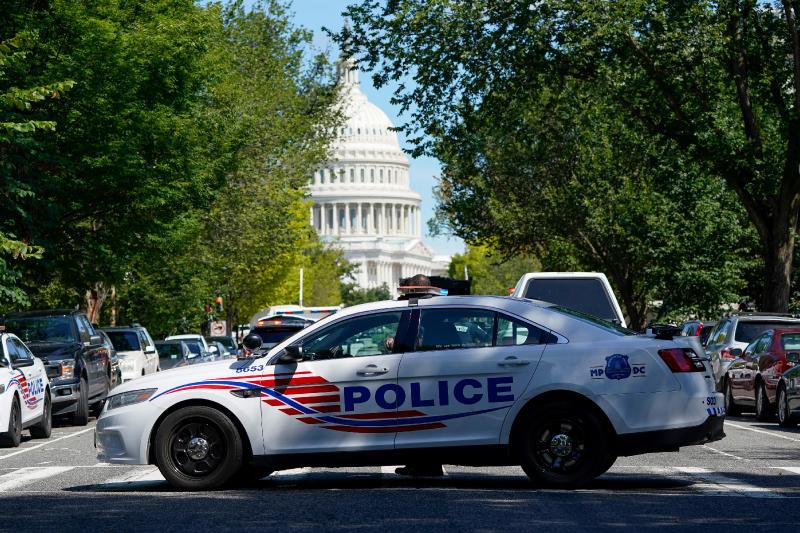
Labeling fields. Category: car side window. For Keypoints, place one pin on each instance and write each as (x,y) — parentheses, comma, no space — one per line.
(447,329)
(82,331)
(722,333)
(13,353)
(144,340)
(355,337)
(22,350)
(88,325)
(513,332)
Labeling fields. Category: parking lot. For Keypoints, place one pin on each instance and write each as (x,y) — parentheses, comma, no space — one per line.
(751,478)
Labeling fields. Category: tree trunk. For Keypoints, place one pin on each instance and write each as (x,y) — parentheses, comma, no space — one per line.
(95,298)
(778,255)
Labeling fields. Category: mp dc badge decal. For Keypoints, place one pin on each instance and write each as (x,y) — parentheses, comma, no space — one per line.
(618,367)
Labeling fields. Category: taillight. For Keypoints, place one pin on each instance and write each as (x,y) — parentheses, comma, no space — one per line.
(682,360)
(725,353)
(699,330)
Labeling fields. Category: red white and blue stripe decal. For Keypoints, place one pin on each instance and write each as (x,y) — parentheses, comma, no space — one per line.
(21,383)
(312,399)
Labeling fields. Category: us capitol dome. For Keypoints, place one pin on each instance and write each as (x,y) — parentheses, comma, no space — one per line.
(362,198)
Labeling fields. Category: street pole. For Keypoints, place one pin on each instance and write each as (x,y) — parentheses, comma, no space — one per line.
(301,287)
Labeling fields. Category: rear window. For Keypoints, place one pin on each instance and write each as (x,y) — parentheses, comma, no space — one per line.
(593,320)
(790,341)
(169,351)
(584,295)
(274,335)
(194,346)
(124,341)
(747,331)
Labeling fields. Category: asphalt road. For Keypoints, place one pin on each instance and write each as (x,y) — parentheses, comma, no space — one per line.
(750,479)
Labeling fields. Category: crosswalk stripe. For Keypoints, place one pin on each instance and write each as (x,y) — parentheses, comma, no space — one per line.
(389,470)
(715,482)
(24,476)
(754,430)
(148,473)
(292,473)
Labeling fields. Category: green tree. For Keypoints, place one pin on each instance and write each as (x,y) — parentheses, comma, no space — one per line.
(490,272)
(19,157)
(353,295)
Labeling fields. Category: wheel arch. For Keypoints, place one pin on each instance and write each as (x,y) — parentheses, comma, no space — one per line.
(558,396)
(195,402)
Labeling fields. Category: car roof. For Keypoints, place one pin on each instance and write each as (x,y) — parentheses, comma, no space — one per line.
(184,336)
(43,313)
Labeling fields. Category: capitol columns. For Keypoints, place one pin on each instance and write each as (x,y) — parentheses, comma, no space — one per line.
(347,228)
(370,219)
(360,218)
(335,207)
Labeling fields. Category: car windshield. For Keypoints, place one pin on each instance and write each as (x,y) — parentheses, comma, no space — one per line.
(584,295)
(169,350)
(41,329)
(194,346)
(593,320)
(746,331)
(124,341)
(274,336)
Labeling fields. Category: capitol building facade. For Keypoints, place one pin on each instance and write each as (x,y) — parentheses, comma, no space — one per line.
(363,201)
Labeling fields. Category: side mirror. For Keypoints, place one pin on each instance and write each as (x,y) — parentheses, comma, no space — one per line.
(252,341)
(23,362)
(793,357)
(736,352)
(149,349)
(291,354)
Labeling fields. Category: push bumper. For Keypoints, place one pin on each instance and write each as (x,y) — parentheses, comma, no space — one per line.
(65,396)
(670,440)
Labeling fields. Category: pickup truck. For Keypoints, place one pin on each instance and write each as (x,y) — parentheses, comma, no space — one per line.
(77,363)
(587,292)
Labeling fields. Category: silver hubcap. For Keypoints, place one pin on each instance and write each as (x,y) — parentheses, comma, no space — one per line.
(561,445)
(759,401)
(197,448)
(781,406)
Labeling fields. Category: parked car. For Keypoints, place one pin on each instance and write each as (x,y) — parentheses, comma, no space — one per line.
(77,364)
(227,341)
(116,371)
(586,292)
(788,397)
(274,330)
(197,344)
(698,328)
(222,351)
(734,332)
(173,354)
(752,379)
(135,349)
(25,400)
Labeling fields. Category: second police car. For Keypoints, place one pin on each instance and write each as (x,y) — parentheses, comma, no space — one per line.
(24,393)
(475,380)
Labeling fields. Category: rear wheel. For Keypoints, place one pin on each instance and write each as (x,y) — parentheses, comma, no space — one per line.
(81,416)
(198,448)
(12,437)
(785,418)
(730,406)
(764,410)
(564,446)
(43,429)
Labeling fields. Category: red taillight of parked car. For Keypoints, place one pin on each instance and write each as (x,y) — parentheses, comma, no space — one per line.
(726,354)
(699,330)
(682,360)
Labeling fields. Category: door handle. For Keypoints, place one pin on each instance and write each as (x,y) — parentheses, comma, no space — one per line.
(513,361)
(372,370)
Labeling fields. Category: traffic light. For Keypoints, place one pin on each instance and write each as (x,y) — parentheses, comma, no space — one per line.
(218,304)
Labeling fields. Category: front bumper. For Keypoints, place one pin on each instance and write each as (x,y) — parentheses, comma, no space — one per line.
(65,396)
(122,435)
(670,440)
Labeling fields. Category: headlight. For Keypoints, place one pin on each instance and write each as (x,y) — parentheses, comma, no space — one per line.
(129,398)
(67,369)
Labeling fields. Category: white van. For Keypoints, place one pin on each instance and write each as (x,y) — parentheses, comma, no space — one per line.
(587,292)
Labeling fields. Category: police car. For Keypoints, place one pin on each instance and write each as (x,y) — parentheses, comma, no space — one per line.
(24,393)
(473,380)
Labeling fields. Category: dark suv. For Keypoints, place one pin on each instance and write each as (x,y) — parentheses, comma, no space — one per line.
(77,363)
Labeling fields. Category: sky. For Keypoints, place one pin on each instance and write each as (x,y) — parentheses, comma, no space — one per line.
(313,15)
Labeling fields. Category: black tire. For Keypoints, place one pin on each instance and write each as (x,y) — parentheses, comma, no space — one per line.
(731,408)
(208,434)
(765,411)
(97,407)
(43,429)
(785,419)
(81,416)
(563,445)
(612,458)
(12,437)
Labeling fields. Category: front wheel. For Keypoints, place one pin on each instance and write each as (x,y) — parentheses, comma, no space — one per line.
(12,437)
(81,416)
(564,446)
(730,406)
(198,448)
(785,418)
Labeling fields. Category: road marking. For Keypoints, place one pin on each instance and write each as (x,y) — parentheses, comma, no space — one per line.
(292,473)
(23,476)
(149,473)
(717,483)
(45,443)
(792,469)
(726,454)
(754,430)
(390,470)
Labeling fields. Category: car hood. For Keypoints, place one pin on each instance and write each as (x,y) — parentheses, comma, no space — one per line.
(183,375)
(54,351)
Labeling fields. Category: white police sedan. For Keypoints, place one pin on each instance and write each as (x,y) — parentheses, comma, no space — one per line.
(24,393)
(473,380)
